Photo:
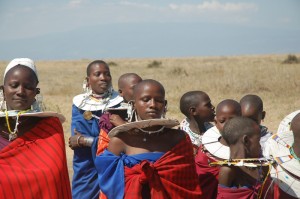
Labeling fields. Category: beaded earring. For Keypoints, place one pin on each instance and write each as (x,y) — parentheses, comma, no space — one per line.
(38,104)
(130,110)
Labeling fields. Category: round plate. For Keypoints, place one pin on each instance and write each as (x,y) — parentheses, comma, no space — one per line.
(87,103)
(210,140)
(279,148)
(284,125)
(168,123)
(286,182)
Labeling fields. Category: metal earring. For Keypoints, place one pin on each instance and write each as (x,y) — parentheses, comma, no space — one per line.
(2,101)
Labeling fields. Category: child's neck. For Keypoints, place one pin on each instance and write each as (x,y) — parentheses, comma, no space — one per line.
(197,127)
(237,153)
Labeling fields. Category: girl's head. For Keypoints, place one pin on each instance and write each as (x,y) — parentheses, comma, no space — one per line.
(20,84)
(98,77)
(149,99)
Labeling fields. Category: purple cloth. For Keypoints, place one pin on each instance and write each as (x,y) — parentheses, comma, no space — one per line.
(104,122)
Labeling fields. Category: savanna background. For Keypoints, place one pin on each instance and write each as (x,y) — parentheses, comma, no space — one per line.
(276,82)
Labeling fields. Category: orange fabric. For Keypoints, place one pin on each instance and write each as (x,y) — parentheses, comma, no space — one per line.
(34,165)
(102,142)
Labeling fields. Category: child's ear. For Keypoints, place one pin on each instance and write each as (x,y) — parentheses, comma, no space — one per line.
(263,115)
(120,92)
(192,110)
(246,140)
(215,120)
(87,81)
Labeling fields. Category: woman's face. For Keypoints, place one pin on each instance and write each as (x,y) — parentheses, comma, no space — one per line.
(150,102)
(99,79)
(20,88)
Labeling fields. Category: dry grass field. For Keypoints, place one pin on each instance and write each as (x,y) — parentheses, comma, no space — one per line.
(221,77)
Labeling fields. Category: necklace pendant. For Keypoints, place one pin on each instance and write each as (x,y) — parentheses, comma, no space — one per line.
(144,139)
(11,137)
(87,115)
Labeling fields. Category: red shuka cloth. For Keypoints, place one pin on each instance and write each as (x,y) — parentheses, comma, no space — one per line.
(207,175)
(247,193)
(171,176)
(34,165)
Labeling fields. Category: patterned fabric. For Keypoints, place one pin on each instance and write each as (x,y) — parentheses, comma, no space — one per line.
(169,175)
(195,138)
(207,175)
(34,165)
(172,176)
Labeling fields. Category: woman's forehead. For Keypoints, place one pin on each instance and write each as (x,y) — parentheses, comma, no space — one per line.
(22,71)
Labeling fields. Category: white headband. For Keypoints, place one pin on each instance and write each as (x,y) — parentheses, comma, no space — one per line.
(20,61)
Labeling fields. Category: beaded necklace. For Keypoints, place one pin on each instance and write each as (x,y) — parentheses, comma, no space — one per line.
(293,153)
(13,134)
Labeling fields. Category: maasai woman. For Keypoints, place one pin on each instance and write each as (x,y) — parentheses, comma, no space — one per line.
(32,148)
(146,158)
(86,111)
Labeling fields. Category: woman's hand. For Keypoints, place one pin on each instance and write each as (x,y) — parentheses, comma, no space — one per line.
(76,141)
(116,120)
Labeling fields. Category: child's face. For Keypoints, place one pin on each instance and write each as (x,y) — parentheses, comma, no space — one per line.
(205,111)
(127,91)
(99,79)
(150,102)
(254,148)
(223,115)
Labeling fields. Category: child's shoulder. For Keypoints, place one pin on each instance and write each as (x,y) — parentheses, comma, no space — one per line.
(227,175)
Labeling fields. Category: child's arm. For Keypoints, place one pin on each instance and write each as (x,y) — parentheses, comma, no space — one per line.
(116,146)
(227,176)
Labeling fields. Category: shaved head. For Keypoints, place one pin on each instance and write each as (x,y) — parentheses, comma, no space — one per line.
(128,77)
(236,127)
(252,107)
(148,82)
(190,99)
(229,104)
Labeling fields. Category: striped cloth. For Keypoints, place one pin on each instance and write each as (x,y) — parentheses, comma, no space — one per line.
(34,165)
(171,176)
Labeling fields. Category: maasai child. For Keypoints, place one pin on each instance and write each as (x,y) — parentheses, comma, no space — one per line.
(253,108)
(240,180)
(197,107)
(118,116)
(284,147)
(146,159)
(33,160)
(214,148)
(86,110)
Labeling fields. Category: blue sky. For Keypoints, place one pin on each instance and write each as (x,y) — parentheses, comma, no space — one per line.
(103,29)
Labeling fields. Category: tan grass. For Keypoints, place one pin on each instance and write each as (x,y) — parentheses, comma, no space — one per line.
(221,77)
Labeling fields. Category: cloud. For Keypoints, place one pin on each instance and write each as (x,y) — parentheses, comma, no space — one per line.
(214,6)
(75,3)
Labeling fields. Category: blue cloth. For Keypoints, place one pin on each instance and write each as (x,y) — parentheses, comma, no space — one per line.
(111,170)
(84,184)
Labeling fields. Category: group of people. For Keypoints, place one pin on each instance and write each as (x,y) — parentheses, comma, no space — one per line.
(125,147)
